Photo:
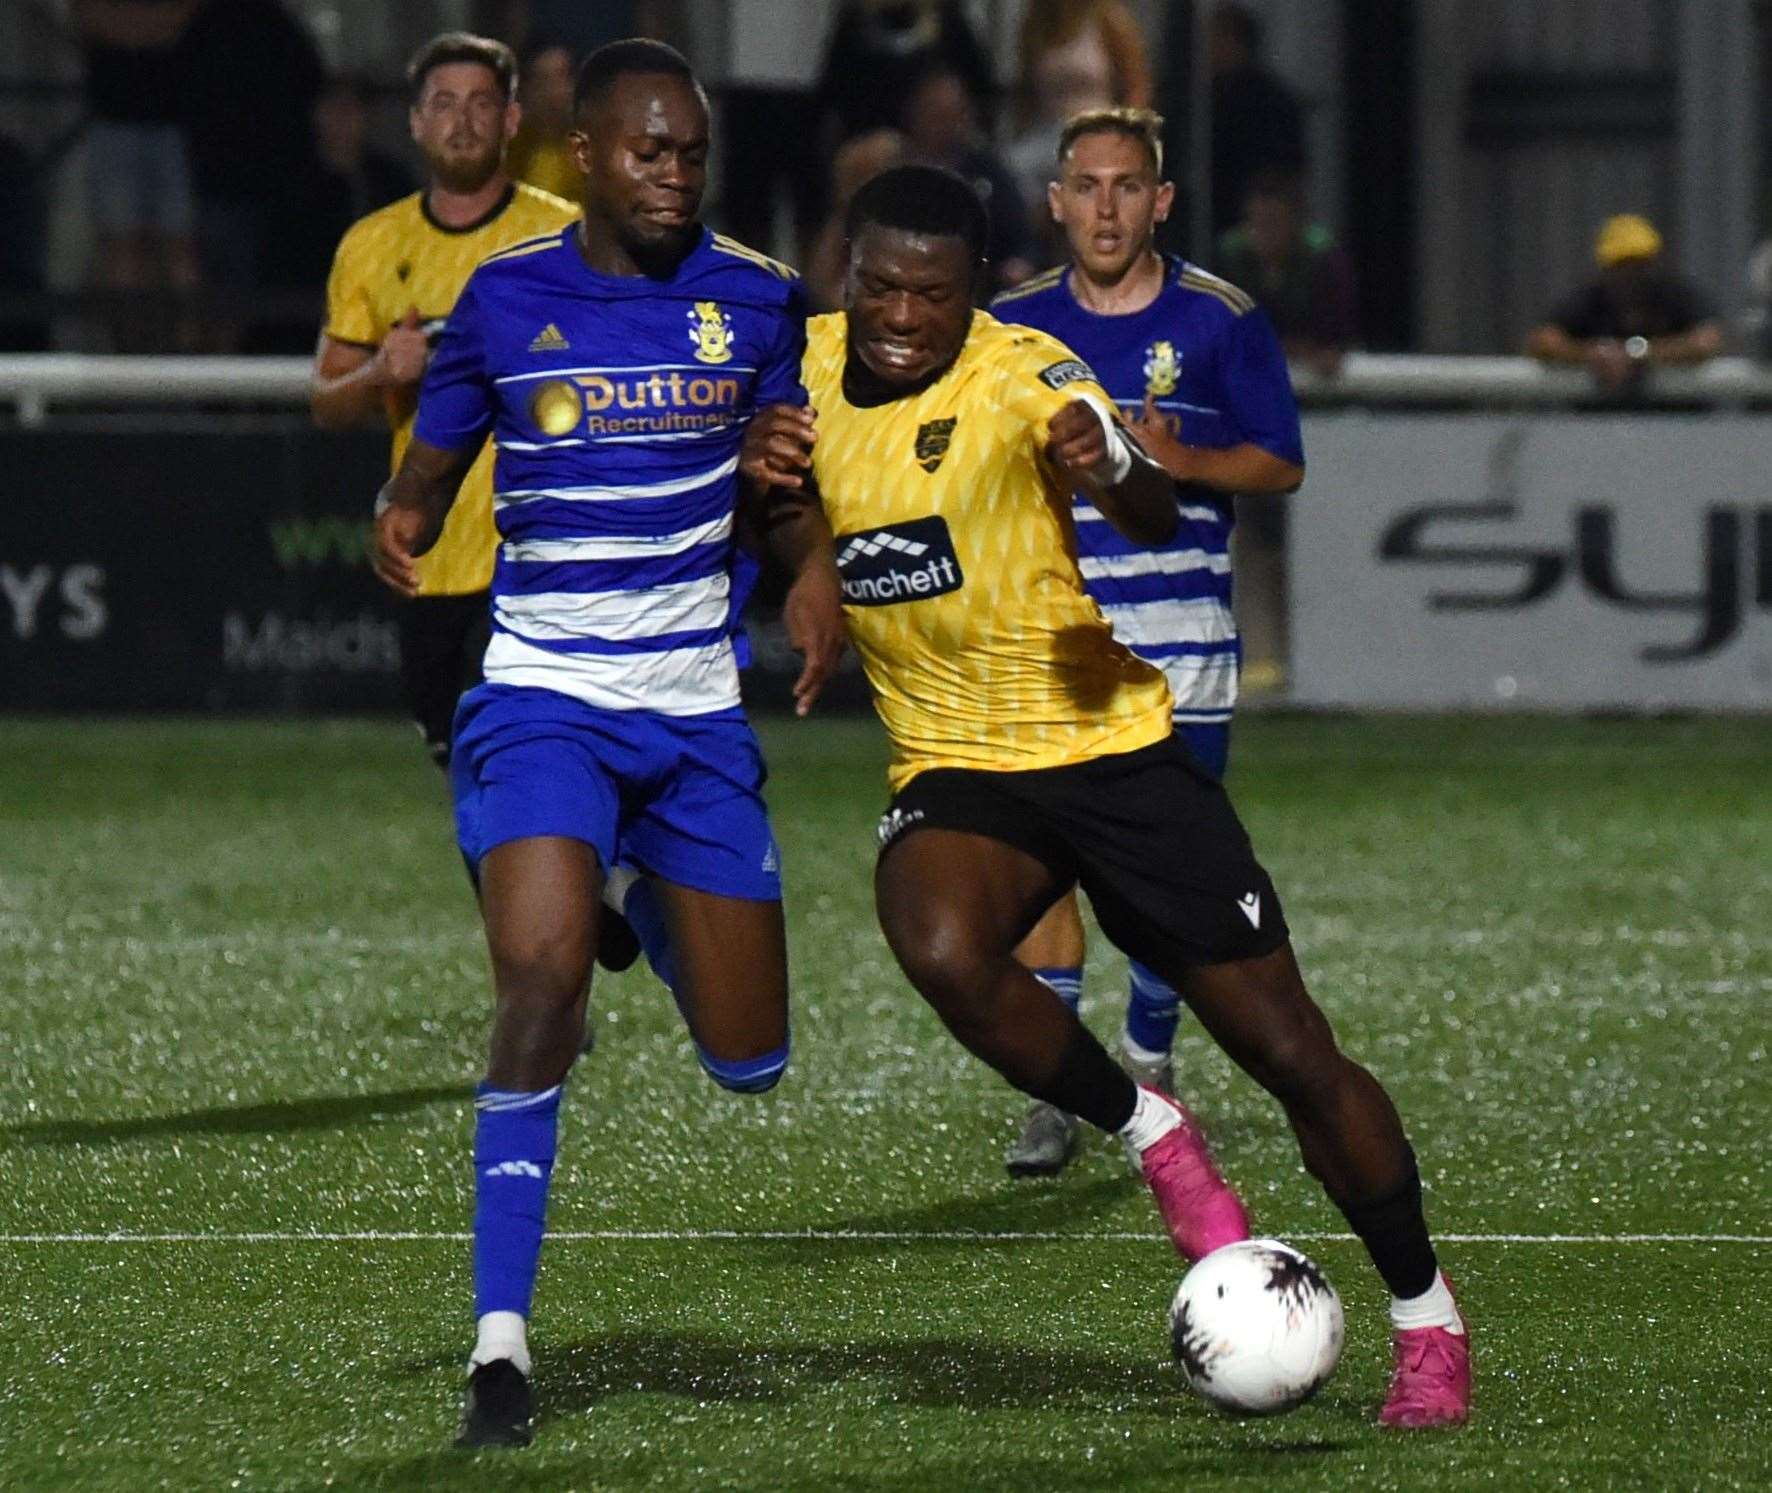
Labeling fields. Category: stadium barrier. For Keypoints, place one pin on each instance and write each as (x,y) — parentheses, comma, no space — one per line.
(175,535)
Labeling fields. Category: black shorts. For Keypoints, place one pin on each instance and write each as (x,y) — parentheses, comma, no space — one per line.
(1149,836)
(442,643)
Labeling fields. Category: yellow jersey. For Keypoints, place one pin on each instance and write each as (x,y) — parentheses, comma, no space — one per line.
(398,259)
(959,562)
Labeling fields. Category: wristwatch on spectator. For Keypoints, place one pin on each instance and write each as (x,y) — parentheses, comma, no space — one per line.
(1637,349)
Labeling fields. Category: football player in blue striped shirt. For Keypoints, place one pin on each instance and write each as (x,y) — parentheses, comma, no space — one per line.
(1199,373)
(615,363)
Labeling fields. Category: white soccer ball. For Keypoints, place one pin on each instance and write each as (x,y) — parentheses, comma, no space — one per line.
(1256,1327)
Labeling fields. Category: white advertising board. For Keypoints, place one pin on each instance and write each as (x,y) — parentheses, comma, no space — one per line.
(1535,561)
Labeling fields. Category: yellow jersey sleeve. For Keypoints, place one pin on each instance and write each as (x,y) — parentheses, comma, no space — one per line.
(350,312)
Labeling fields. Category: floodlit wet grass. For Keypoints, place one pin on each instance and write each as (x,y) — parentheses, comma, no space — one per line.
(243,994)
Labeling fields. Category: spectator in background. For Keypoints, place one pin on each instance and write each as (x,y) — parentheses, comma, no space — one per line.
(1257,124)
(346,178)
(138,172)
(581,26)
(1295,269)
(22,329)
(878,51)
(1634,316)
(541,151)
(251,77)
(942,130)
(858,162)
(1073,56)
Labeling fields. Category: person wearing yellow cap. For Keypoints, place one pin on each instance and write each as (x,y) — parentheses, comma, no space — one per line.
(1635,314)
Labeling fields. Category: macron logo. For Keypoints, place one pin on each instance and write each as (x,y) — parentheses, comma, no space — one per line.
(1251,906)
(514,1169)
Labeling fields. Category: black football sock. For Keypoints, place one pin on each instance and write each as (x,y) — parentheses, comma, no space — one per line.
(1089,1084)
(1394,1230)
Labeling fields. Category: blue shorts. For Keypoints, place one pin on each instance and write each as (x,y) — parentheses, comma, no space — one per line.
(677,796)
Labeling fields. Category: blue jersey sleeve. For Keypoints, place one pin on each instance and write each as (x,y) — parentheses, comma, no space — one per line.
(455,401)
(1258,389)
(778,377)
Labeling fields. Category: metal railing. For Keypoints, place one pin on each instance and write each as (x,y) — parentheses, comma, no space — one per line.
(33,384)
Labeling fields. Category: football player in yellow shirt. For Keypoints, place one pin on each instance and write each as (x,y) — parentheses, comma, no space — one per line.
(1032,752)
(394,279)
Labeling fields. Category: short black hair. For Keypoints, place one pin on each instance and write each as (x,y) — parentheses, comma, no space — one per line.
(921,199)
(462,46)
(616,59)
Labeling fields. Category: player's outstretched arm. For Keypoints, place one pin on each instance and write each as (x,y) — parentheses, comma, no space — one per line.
(1092,453)
(798,536)
(351,381)
(1244,468)
(410,511)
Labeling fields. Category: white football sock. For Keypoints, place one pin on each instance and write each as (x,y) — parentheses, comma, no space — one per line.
(502,1335)
(1140,1055)
(616,886)
(1434,1307)
(1151,1120)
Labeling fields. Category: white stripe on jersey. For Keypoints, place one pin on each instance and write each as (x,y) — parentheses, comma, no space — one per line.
(1152,562)
(1201,684)
(705,369)
(573,617)
(618,546)
(1084,512)
(618,494)
(1150,624)
(682,681)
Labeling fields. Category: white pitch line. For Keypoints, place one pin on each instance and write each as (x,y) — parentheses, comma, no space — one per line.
(822,1236)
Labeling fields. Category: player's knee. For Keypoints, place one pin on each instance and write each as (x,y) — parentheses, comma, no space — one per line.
(756,1075)
(540,968)
(941,960)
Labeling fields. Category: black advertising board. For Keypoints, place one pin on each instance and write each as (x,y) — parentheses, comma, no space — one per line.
(156,563)
(172,562)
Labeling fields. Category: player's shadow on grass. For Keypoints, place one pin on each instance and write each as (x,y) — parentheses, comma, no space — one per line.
(335,1113)
(926,1372)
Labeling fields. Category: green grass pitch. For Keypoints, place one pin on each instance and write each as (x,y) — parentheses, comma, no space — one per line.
(243,1002)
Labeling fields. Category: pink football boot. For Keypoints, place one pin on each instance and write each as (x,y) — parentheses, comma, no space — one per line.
(1431,1385)
(1201,1209)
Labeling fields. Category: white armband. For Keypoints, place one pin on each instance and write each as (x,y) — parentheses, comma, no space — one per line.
(1118,462)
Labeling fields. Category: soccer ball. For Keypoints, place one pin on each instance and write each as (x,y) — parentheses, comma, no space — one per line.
(1256,1327)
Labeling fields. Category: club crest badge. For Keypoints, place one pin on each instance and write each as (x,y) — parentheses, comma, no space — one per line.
(932,442)
(1162,369)
(710,329)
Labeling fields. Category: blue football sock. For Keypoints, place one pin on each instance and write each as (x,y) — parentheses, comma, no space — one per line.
(514,1135)
(1153,1011)
(1065,981)
(647,919)
(749,1076)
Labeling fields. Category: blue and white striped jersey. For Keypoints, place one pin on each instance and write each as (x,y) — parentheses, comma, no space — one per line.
(1210,359)
(617,405)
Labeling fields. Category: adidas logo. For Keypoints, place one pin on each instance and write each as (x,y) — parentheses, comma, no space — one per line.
(549,340)
(771,863)
(1251,905)
(879,543)
(514,1169)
